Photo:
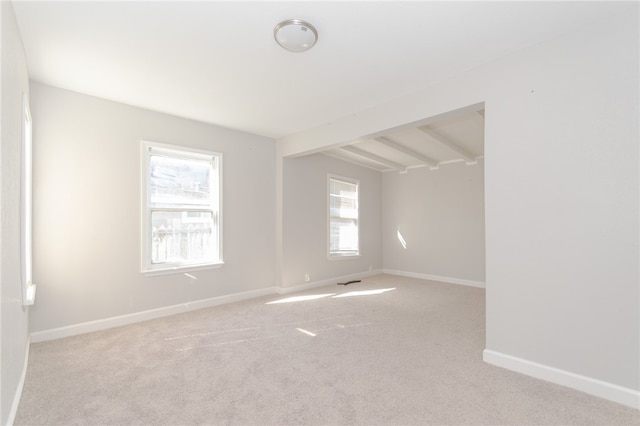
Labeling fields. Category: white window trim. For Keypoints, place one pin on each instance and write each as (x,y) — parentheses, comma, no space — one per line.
(336,256)
(145,224)
(26,191)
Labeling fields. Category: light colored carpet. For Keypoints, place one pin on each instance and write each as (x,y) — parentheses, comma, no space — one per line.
(410,355)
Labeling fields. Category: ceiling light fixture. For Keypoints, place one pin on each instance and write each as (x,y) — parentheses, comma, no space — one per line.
(295,35)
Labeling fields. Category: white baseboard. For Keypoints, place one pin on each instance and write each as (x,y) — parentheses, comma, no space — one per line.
(87,327)
(106,323)
(449,280)
(329,281)
(599,388)
(18,394)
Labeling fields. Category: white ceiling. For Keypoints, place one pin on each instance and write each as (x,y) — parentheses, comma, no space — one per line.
(217,62)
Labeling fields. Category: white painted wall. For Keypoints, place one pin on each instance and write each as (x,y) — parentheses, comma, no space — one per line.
(562,213)
(561,199)
(14,319)
(440,215)
(306,224)
(87,210)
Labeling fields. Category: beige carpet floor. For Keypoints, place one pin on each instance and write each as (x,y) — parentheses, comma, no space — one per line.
(386,351)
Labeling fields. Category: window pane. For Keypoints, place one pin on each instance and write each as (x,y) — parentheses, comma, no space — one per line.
(343,218)
(183,237)
(343,207)
(343,237)
(344,189)
(177,181)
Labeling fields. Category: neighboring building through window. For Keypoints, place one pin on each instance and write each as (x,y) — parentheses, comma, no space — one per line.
(181,208)
(343,217)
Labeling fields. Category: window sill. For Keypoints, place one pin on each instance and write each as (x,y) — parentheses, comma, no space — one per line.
(181,269)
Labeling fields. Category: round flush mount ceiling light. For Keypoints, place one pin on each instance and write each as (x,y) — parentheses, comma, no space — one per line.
(295,35)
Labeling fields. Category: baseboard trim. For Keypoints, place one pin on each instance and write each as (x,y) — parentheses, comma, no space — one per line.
(106,323)
(329,281)
(18,395)
(599,388)
(103,324)
(448,280)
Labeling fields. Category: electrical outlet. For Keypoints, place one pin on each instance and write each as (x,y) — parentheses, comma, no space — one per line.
(306,278)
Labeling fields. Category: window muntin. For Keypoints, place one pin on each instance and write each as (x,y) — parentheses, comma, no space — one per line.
(181,214)
(343,217)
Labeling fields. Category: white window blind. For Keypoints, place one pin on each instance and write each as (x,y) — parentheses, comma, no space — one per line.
(343,217)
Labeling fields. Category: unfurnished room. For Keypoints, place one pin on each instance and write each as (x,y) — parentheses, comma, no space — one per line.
(320,212)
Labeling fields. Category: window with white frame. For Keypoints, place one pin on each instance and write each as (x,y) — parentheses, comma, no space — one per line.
(28,288)
(343,217)
(181,220)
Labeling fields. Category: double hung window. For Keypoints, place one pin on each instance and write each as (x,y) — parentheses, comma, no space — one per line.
(343,217)
(181,211)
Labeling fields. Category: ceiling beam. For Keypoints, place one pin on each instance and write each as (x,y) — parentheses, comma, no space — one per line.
(358,162)
(447,143)
(364,154)
(406,150)
(478,118)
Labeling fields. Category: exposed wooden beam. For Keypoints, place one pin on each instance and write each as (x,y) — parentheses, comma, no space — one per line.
(406,150)
(447,143)
(364,154)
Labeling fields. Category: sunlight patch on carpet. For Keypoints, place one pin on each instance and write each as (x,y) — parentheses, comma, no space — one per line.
(300,298)
(307,332)
(364,292)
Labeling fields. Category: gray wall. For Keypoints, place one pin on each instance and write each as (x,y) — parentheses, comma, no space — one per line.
(14,319)
(561,183)
(561,197)
(440,215)
(87,210)
(305,220)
